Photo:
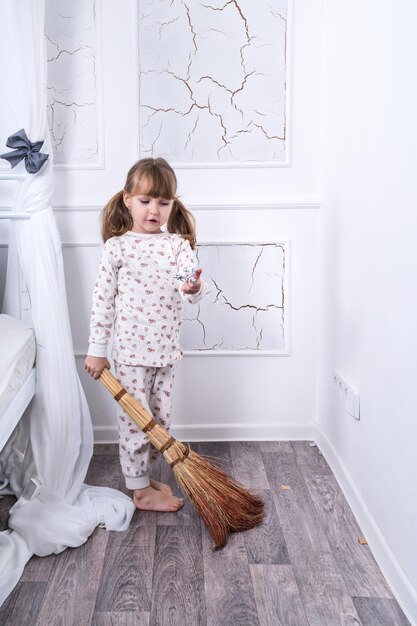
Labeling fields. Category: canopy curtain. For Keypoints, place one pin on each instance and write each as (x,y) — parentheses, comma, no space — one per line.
(66,511)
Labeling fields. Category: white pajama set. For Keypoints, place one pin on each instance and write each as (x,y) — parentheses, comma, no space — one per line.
(137,302)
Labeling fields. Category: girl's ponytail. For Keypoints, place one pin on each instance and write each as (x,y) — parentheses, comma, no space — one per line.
(115,217)
(182,222)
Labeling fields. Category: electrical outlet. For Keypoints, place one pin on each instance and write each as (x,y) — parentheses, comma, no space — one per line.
(347,394)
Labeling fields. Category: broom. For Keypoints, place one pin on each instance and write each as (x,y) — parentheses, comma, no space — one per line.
(223,504)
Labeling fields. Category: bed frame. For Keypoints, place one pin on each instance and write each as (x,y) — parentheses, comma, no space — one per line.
(14,411)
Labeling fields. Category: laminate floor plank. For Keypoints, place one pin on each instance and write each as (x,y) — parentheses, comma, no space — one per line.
(274,446)
(106,448)
(277,596)
(309,457)
(22,606)
(104,471)
(355,561)
(138,534)
(230,598)
(380,612)
(266,543)
(178,578)
(217,453)
(126,577)
(248,464)
(322,589)
(121,619)
(39,569)
(6,503)
(73,584)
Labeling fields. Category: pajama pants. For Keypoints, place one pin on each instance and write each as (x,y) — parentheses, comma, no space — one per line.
(152,386)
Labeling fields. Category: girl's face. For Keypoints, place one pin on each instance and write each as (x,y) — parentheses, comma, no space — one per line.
(148,213)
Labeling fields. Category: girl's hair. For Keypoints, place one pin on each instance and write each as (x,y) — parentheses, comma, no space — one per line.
(159,181)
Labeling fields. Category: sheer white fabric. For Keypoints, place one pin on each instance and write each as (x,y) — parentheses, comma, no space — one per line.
(66,511)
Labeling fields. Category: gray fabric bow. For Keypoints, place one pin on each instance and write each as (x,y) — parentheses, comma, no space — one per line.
(25,149)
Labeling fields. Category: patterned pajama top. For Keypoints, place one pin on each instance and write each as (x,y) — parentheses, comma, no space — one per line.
(138,299)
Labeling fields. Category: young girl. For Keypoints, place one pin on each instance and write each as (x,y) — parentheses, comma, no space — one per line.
(138,299)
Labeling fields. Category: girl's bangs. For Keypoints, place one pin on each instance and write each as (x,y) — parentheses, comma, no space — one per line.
(155,184)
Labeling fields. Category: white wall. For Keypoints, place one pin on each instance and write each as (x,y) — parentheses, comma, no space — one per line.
(216,397)
(368,295)
(93,70)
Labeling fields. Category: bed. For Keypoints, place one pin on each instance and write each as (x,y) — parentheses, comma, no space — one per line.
(17,372)
(17,344)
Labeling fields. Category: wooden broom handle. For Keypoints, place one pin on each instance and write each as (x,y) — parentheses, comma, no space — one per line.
(162,439)
(118,391)
(111,383)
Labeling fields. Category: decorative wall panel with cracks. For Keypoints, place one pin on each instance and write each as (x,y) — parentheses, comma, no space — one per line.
(213,81)
(246,305)
(73,102)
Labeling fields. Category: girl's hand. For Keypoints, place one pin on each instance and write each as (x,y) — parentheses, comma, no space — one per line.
(192,288)
(95,365)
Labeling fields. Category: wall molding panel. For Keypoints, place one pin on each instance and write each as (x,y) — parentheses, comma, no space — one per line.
(220,98)
(290,203)
(245,309)
(75,83)
(243,315)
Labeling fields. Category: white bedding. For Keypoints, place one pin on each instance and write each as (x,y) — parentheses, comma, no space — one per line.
(17,356)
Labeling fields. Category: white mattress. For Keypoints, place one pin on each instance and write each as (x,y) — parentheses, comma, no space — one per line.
(17,356)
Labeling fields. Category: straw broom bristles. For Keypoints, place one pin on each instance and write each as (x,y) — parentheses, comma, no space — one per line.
(223,504)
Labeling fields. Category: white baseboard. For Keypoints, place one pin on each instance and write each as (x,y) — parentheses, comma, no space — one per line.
(395,576)
(224,432)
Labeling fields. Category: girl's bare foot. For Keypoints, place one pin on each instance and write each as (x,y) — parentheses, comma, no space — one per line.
(161,487)
(150,499)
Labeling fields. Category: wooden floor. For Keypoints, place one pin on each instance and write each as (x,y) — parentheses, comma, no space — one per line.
(303,567)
